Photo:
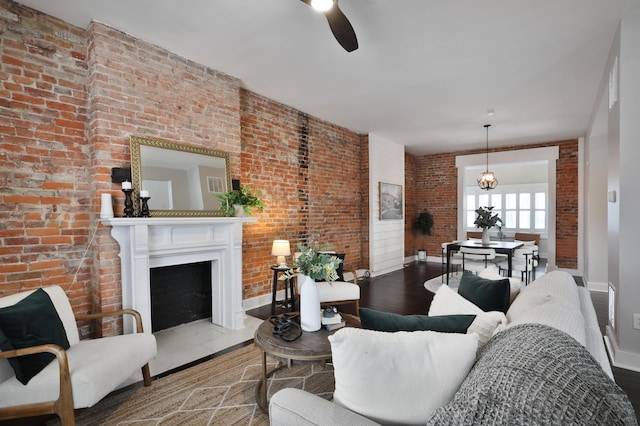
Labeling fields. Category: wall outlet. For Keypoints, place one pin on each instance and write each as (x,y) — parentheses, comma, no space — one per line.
(636,321)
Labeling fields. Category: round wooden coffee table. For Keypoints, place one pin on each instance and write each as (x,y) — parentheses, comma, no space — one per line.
(310,347)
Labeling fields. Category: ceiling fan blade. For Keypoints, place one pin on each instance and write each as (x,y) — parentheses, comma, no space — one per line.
(341,28)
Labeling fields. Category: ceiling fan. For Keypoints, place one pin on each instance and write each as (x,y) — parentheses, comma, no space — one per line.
(339,24)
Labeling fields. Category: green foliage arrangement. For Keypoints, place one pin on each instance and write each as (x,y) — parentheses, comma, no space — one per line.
(486,219)
(314,263)
(424,223)
(244,196)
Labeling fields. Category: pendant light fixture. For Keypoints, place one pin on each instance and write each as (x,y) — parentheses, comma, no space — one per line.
(487,179)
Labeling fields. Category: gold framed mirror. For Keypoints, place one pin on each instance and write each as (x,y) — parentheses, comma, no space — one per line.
(182,180)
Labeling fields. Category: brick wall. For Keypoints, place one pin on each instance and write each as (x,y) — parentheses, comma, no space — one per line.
(44,158)
(437,185)
(309,173)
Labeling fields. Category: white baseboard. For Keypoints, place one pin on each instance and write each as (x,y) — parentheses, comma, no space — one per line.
(619,358)
(264,299)
(596,286)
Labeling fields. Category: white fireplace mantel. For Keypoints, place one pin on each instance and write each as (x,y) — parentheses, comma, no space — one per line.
(147,243)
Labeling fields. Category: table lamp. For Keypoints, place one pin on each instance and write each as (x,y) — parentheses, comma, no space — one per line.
(281,249)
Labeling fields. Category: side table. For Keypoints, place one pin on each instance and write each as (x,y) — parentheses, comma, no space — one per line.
(310,347)
(289,301)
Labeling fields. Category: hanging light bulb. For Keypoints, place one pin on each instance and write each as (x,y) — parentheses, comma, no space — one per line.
(322,5)
(487,179)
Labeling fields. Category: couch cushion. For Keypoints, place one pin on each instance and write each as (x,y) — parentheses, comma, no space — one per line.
(552,300)
(488,295)
(491,273)
(536,375)
(387,321)
(97,367)
(33,321)
(371,370)
(448,302)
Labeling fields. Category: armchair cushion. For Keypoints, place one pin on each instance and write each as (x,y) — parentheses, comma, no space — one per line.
(33,321)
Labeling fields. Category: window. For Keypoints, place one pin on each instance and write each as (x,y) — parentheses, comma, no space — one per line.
(521,207)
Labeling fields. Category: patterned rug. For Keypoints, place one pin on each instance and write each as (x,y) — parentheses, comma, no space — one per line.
(220,391)
(434,283)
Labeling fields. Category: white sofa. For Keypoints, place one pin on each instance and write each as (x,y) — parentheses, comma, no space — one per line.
(552,300)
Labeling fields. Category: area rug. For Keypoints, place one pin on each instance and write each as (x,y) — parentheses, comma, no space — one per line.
(220,391)
(434,283)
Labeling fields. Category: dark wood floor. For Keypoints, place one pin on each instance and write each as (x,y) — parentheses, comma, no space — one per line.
(403,292)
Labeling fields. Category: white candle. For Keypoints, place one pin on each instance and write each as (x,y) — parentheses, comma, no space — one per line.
(126,185)
(144,193)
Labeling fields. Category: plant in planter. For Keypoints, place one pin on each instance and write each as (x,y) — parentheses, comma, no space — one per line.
(486,219)
(423,224)
(241,202)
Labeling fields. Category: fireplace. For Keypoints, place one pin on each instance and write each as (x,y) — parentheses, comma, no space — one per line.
(148,243)
(180,294)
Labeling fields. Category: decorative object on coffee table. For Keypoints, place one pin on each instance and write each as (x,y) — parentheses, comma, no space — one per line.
(312,264)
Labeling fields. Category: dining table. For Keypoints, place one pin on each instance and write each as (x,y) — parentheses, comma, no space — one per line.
(502,247)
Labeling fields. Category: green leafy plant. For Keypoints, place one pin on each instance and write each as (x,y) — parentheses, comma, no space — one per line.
(245,196)
(315,263)
(424,223)
(486,218)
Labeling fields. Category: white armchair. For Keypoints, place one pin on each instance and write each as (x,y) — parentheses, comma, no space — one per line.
(81,375)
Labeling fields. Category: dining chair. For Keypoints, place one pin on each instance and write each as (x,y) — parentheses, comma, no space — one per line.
(524,260)
(476,259)
(454,260)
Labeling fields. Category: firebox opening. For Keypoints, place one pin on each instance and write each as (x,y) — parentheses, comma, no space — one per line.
(180,294)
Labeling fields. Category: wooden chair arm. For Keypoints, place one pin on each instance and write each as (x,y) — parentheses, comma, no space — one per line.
(63,406)
(355,276)
(133,312)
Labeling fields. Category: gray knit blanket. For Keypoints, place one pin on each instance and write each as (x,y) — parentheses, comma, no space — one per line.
(533,374)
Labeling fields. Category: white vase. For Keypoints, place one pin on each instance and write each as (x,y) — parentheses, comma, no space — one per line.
(309,304)
(239,210)
(486,239)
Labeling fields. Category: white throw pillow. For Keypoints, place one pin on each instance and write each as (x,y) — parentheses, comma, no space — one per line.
(401,377)
(448,302)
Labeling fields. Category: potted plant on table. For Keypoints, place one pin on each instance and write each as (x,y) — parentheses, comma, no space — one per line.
(423,224)
(486,219)
(312,264)
(241,202)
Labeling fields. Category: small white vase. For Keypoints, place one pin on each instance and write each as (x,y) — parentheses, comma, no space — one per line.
(239,210)
(486,239)
(309,304)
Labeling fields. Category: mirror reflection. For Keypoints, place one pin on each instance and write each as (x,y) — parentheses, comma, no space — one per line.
(181,180)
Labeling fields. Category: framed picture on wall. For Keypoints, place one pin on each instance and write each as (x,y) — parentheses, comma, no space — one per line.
(390,201)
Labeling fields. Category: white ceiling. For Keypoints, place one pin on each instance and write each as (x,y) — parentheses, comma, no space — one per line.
(426,71)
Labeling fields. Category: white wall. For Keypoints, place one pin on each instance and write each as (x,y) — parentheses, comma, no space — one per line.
(623,177)
(386,239)
(595,201)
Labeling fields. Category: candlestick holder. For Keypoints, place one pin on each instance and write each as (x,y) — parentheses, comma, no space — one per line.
(144,207)
(128,202)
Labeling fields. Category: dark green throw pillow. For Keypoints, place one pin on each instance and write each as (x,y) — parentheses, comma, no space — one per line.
(488,295)
(386,321)
(32,321)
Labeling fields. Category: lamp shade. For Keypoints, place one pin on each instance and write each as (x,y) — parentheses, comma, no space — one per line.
(281,248)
